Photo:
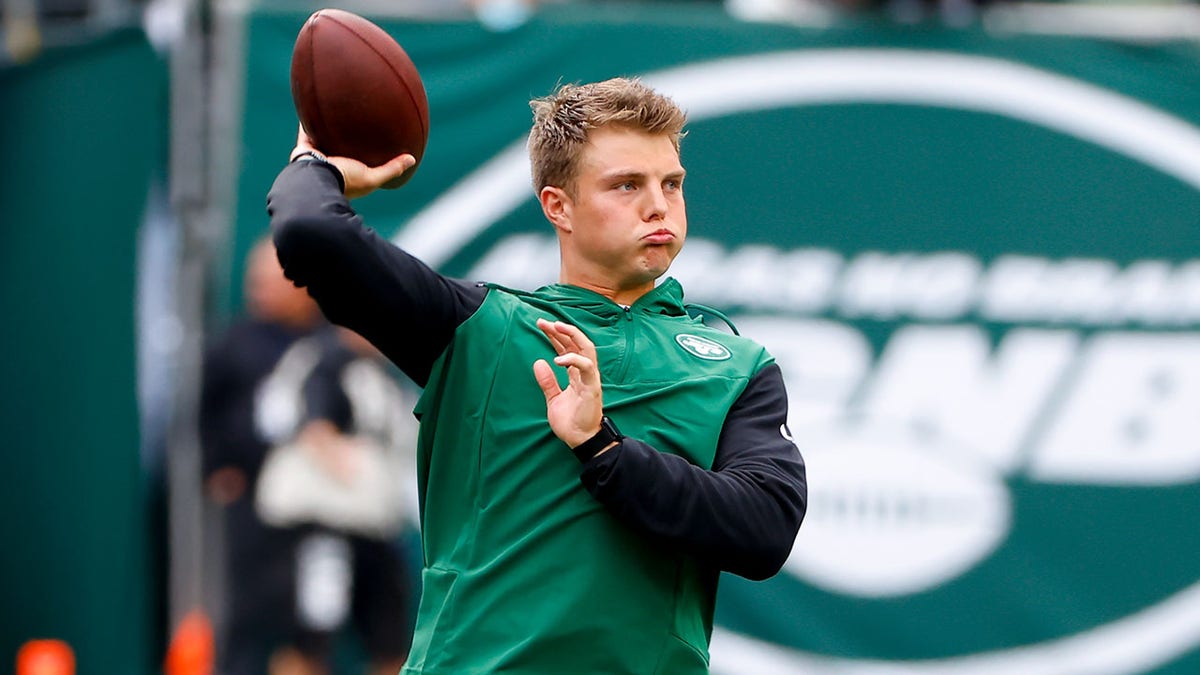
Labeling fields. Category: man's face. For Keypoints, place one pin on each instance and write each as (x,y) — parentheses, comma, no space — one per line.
(626,217)
(270,295)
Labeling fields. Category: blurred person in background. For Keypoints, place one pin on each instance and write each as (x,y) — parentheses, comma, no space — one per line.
(258,561)
(342,472)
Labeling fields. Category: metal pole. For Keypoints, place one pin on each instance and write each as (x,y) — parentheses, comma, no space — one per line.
(188,585)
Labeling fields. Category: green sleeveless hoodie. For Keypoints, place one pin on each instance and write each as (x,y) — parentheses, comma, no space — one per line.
(524,571)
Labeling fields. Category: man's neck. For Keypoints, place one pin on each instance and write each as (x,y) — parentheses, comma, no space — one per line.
(622,296)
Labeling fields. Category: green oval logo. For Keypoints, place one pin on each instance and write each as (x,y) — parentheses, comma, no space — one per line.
(702,347)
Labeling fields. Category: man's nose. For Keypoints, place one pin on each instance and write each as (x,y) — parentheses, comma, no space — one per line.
(656,204)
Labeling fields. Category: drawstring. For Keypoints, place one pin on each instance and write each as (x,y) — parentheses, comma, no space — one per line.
(705,309)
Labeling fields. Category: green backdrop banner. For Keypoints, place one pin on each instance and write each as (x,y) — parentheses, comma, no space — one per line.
(975,259)
(85,131)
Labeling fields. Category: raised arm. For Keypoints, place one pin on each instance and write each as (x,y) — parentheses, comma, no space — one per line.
(361,280)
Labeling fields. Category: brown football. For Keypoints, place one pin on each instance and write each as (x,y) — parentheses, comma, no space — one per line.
(357,92)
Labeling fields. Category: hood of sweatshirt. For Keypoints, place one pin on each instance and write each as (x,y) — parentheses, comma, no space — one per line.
(665,299)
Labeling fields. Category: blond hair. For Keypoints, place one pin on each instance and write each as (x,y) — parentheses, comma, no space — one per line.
(562,120)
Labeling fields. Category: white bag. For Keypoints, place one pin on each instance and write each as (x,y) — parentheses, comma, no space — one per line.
(294,488)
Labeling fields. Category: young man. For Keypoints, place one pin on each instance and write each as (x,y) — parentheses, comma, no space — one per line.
(577,528)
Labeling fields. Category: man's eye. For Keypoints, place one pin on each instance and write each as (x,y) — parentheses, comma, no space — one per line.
(626,186)
(673,185)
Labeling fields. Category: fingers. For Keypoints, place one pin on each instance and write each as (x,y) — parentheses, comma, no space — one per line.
(361,180)
(393,169)
(573,333)
(551,332)
(576,353)
(580,370)
(575,340)
(567,338)
(544,375)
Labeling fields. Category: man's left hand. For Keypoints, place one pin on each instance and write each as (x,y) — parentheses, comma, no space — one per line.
(574,413)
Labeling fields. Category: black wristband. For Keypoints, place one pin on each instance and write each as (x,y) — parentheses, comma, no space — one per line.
(309,155)
(320,158)
(607,435)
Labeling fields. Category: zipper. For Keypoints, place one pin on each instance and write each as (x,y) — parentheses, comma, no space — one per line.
(627,328)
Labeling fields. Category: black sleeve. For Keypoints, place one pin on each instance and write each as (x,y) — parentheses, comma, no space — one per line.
(360,279)
(740,517)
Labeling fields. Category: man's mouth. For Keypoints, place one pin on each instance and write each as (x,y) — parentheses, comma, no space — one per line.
(659,237)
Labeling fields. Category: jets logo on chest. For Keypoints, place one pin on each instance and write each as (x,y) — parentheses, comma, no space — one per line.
(702,347)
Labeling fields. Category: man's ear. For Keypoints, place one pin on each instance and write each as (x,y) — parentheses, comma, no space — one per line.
(556,205)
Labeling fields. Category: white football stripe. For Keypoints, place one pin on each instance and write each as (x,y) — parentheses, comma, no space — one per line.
(1137,643)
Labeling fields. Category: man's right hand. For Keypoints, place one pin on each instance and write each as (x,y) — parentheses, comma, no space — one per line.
(359,179)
